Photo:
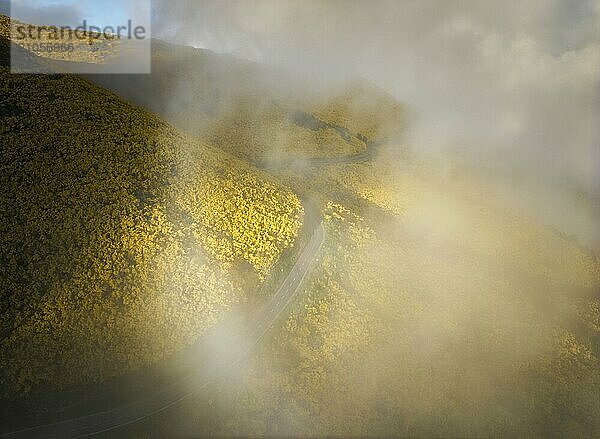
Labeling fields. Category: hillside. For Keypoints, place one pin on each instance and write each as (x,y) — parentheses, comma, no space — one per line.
(252,111)
(122,239)
(435,313)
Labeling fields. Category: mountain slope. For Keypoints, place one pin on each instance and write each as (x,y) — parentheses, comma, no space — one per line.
(121,239)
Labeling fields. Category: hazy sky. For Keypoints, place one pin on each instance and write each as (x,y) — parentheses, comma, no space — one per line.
(487,60)
(73,12)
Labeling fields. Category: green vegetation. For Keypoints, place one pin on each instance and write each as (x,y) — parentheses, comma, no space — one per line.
(473,322)
(121,239)
(270,133)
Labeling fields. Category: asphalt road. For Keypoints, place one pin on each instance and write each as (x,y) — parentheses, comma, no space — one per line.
(232,349)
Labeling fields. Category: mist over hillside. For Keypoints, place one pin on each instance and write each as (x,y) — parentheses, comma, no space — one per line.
(511,89)
(311,219)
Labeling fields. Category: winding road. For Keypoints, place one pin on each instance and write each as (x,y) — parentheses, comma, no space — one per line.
(225,358)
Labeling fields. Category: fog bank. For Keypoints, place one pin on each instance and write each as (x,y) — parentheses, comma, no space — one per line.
(511,88)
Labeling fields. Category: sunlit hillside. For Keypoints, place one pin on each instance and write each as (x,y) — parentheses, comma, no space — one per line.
(440,314)
(365,109)
(122,239)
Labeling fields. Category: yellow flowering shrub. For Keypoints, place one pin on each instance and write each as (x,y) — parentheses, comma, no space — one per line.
(119,236)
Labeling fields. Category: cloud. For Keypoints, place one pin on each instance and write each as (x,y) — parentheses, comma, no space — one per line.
(511,86)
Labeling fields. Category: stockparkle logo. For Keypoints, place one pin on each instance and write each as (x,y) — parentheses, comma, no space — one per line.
(49,42)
